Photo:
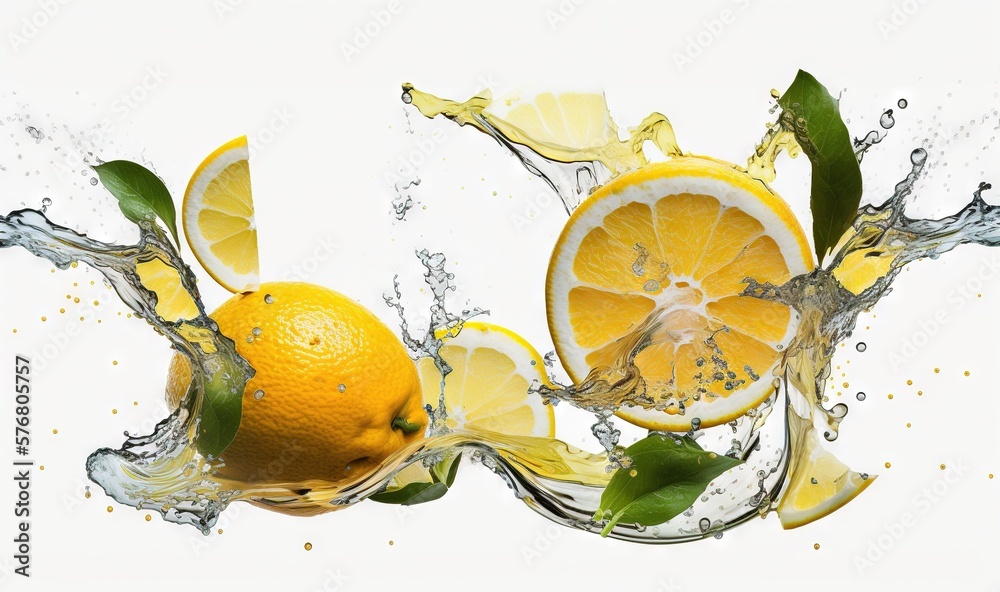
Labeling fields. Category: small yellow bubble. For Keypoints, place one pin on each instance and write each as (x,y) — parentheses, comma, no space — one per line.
(74,265)
(909,425)
(308,546)
(44,319)
(41,467)
(920,393)
(391,543)
(76,300)
(943,467)
(114,412)
(110,509)
(816,546)
(75,284)
(966,372)
(55,431)
(148,517)
(888,465)
(890,395)
(846,385)
(991,475)
(114,362)
(633,473)
(87,495)
(62,311)
(96,303)
(937,370)
(68,296)
(135,403)
(219,531)
(15,330)
(909,383)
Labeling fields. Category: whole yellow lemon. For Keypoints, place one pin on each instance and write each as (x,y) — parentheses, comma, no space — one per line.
(334,392)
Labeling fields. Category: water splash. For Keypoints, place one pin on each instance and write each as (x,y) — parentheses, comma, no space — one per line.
(165,472)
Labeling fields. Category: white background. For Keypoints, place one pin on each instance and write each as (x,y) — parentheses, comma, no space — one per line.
(321,180)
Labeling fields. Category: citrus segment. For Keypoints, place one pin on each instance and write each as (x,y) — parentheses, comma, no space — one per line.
(488,387)
(218,217)
(567,120)
(667,250)
(819,484)
(172,301)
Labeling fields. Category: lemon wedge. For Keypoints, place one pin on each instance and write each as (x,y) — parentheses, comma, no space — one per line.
(820,484)
(488,388)
(218,217)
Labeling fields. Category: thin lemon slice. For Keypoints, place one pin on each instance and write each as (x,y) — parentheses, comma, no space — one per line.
(218,217)
(492,372)
(668,247)
(172,300)
(563,121)
(820,484)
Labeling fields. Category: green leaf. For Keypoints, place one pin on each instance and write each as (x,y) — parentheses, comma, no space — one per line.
(666,476)
(813,115)
(442,477)
(141,194)
(445,471)
(412,494)
(221,410)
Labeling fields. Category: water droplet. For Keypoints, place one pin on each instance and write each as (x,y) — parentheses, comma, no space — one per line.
(718,535)
(704,524)
(633,473)
(861,346)
(918,156)
(861,396)
(308,546)
(341,387)
(93,180)
(407,98)
(249,338)
(651,286)
(887,121)
(901,103)
(46,202)
(35,133)
(268,299)
(695,423)
(814,481)
(256,331)
(258,394)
